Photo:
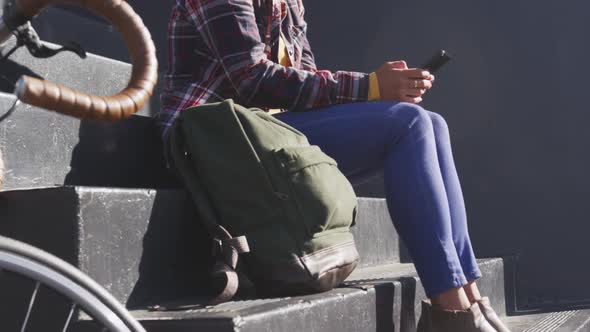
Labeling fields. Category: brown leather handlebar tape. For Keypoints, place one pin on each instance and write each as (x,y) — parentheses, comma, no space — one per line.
(144,75)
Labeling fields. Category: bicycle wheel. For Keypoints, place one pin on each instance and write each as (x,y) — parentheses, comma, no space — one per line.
(46,271)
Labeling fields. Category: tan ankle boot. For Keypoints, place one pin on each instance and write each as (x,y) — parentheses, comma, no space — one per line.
(491,316)
(434,319)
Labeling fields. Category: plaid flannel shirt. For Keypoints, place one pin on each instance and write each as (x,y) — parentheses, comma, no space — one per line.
(220,49)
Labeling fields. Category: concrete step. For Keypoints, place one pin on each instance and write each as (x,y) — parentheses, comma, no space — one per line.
(383,298)
(564,321)
(146,247)
(95,74)
(387,306)
(376,238)
(43,148)
(137,242)
(491,284)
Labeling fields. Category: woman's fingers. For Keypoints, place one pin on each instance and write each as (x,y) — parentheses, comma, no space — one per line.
(415,92)
(413,100)
(419,84)
(398,83)
(417,73)
(418,78)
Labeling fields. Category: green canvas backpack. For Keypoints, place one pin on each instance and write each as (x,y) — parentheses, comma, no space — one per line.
(263,191)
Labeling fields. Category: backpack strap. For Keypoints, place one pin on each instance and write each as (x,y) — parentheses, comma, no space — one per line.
(226,248)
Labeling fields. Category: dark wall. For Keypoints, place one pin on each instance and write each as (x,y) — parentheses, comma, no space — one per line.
(514,97)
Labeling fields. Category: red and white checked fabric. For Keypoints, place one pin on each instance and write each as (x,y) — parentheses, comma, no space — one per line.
(220,49)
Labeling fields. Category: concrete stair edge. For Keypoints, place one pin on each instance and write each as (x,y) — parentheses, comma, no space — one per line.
(132,229)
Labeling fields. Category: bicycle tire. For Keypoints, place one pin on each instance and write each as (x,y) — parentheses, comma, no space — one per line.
(53,272)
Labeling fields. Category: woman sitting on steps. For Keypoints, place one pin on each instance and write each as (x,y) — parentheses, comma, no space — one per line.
(257,53)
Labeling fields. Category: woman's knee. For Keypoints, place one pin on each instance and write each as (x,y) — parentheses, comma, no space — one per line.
(416,118)
(438,123)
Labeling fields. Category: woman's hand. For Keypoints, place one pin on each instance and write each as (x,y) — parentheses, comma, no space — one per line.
(398,83)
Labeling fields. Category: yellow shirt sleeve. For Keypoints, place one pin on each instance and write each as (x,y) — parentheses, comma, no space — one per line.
(283,60)
(374,87)
(283,57)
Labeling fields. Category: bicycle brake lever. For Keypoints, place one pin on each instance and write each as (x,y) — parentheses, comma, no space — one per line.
(28,37)
(46,52)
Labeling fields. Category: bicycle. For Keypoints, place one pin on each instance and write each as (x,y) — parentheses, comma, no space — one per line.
(46,270)
(30,263)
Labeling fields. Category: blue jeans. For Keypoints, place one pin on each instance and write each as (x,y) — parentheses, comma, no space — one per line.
(413,149)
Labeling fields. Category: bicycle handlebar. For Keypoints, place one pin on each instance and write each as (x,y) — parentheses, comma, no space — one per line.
(71,102)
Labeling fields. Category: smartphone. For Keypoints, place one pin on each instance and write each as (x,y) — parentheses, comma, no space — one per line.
(439,59)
